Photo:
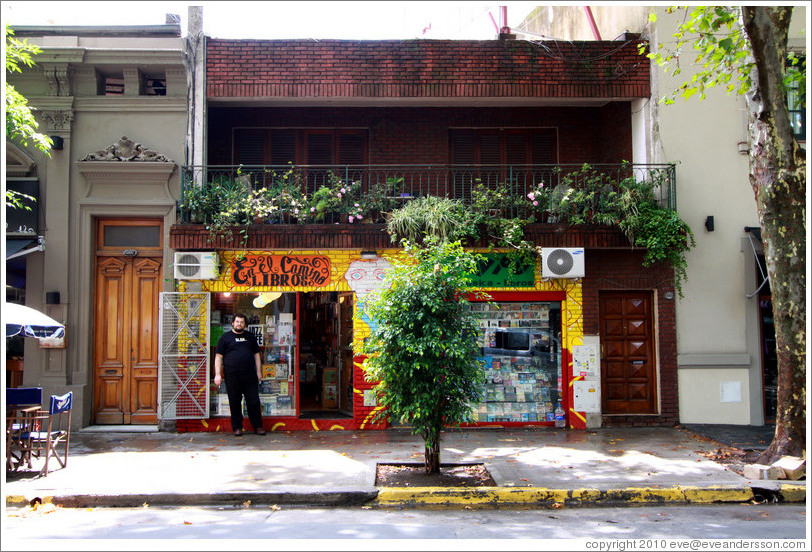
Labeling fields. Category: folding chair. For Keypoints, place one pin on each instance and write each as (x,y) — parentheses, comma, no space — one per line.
(22,403)
(57,431)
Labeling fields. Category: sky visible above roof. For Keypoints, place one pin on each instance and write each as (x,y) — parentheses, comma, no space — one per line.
(380,20)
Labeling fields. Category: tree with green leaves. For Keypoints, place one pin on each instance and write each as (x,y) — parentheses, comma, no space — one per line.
(424,350)
(20,123)
(745,49)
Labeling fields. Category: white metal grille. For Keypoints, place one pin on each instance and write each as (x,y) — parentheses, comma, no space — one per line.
(183,377)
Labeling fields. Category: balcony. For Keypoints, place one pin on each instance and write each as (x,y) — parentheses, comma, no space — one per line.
(353,194)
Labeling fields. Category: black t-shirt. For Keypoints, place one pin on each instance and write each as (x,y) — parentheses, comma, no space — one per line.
(238,351)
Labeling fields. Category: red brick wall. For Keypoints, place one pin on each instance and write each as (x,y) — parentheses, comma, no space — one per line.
(613,269)
(420,135)
(424,68)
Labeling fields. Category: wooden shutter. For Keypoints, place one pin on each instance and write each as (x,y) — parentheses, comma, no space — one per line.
(462,148)
(250,147)
(543,148)
(319,148)
(283,147)
(351,149)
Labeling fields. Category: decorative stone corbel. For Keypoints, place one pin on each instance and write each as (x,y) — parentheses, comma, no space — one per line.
(58,76)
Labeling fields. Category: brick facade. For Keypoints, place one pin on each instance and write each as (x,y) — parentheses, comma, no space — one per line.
(420,135)
(424,69)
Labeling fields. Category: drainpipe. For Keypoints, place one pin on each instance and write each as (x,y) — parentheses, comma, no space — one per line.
(592,24)
(505,29)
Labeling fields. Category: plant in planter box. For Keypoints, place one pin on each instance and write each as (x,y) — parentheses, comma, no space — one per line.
(286,191)
(447,219)
(333,200)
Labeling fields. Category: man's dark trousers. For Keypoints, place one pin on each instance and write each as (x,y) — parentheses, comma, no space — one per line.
(241,383)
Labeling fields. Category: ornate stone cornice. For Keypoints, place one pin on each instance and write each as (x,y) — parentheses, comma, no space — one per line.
(127,150)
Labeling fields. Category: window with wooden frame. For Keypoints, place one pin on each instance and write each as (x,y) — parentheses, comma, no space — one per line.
(492,156)
(271,146)
(144,236)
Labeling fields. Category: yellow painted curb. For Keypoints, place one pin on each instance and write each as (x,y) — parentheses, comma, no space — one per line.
(20,500)
(538,496)
(793,493)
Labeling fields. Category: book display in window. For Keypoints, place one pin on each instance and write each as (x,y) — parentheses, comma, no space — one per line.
(521,347)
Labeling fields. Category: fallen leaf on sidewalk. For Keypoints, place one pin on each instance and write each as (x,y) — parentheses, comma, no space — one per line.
(187,522)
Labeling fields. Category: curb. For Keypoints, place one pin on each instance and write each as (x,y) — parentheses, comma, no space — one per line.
(435,497)
(232,499)
(497,497)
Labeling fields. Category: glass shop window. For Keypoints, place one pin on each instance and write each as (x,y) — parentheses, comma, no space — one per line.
(271,317)
(521,346)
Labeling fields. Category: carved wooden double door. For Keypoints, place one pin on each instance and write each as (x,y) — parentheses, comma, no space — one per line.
(125,359)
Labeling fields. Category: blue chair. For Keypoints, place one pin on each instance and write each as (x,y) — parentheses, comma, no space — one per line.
(17,397)
(56,434)
(22,403)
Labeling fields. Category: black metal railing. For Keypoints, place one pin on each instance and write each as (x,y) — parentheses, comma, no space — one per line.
(334,193)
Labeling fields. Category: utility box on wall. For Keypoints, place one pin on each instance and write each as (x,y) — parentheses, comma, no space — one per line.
(586,391)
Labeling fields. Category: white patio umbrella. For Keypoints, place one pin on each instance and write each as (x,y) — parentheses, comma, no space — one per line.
(22,320)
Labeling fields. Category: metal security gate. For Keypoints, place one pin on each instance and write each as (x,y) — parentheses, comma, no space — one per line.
(183,374)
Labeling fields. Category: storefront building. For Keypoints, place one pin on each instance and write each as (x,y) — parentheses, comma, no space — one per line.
(435,118)
(312,324)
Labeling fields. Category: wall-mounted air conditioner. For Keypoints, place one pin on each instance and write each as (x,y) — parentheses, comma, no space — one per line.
(196,265)
(562,262)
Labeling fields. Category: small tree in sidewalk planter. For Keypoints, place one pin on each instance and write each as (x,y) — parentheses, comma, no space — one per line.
(424,351)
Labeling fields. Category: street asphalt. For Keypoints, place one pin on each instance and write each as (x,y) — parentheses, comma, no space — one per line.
(532,467)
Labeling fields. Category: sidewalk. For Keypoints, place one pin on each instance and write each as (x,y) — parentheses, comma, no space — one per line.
(532,468)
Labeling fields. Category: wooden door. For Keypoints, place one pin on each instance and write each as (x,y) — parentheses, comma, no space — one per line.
(628,371)
(128,282)
(126,367)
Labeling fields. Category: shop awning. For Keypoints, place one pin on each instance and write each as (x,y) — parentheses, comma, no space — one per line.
(17,247)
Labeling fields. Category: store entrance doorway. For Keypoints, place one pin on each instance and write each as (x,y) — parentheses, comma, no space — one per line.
(325,355)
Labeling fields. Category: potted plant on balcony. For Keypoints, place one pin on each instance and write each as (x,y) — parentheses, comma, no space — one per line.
(333,202)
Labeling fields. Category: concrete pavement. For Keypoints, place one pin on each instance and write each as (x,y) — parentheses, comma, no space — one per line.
(539,467)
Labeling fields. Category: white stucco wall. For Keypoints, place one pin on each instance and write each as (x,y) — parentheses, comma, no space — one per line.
(717,326)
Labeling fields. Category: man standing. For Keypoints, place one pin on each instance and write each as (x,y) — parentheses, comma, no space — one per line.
(237,358)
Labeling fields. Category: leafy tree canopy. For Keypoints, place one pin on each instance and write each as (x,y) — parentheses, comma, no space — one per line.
(723,52)
(424,350)
(20,122)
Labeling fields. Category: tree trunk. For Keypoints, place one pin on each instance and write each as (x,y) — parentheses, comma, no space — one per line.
(778,178)
(433,456)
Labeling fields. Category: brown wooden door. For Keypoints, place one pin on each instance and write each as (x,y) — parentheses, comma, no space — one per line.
(628,371)
(126,340)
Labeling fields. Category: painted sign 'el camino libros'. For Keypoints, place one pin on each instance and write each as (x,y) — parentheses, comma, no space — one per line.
(281,270)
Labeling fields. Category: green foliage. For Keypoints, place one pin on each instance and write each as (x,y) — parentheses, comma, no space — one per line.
(20,123)
(333,199)
(424,351)
(722,51)
(666,238)
(629,204)
(441,217)
(721,46)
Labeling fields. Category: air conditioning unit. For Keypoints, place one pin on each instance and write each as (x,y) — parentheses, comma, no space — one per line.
(562,262)
(196,265)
